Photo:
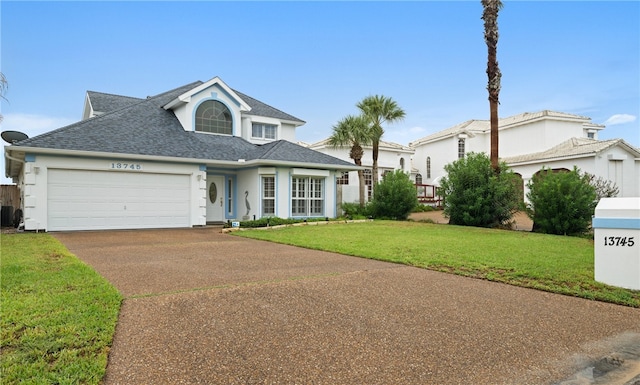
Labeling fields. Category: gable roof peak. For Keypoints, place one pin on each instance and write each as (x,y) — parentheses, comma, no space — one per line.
(186,96)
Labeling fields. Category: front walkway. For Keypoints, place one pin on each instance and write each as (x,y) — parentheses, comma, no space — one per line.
(208,308)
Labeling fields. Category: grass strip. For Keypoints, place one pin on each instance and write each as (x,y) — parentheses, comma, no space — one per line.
(58,316)
(558,264)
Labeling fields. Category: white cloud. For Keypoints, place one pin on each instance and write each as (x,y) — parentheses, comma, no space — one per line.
(31,124)
(619,119)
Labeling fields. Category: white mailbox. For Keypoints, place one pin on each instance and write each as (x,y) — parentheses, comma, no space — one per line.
(616,226)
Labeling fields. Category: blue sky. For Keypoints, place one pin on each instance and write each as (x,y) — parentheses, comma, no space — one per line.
(316,60)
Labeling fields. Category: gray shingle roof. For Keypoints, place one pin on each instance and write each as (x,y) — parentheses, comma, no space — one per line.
(285,151)
(103,103)
(261,109)
(143,127)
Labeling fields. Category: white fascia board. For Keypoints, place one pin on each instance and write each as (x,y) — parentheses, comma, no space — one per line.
(168,159)
(450,135)
(593,126)
(186,97)
(262,162)
(113,155)
(267,119)
(88,108)
(546,160)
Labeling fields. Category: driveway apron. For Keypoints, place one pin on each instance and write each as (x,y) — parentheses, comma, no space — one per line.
(203,307)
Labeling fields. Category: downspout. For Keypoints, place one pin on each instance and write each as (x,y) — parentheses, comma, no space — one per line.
(12,158)
(7,156)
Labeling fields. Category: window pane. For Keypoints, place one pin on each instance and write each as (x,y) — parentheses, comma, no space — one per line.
(307,196)
(268,207)
(213,116)
(316,207)
(270,132)
(268,195)
(256,130)
(344,178)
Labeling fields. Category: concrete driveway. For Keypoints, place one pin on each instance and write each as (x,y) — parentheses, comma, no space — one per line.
(208,308)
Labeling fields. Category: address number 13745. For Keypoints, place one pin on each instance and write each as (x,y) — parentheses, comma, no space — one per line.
(125,166)
(619,241)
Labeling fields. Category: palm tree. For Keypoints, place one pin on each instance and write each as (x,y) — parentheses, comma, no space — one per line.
(378,110)
(490,17)
(354,132)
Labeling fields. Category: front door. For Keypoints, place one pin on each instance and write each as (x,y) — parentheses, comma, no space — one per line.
(215,199)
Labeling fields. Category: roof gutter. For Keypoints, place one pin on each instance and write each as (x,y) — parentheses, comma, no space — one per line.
(7,165)
(241,163)
(535,161)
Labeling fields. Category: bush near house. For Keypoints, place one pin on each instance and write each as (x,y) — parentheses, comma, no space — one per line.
(275,221)
(604,187)
(394,197)
(475,196)
(352,210)
(561,203)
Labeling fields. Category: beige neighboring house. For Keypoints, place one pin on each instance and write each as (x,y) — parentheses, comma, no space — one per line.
(531,141)
(391,157)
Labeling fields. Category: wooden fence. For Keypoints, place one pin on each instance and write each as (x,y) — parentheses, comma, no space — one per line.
(10,202)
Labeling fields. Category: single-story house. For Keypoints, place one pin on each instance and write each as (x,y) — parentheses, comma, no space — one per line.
(201,153)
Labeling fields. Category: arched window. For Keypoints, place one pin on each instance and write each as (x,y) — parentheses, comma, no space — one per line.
(402,164)
(213,116)
(428,167)
(418,178)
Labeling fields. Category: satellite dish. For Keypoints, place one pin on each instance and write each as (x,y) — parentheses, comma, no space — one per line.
(13,136)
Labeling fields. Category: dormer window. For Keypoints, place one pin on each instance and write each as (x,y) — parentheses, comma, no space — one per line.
(263,131)
(214,117)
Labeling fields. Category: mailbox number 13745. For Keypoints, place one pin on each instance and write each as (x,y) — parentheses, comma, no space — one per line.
(619,241)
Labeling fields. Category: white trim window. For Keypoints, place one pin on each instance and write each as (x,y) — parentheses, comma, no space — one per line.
(268,195)
(461,149)
(264,131)
(307,197)
(344,178)
(214,117)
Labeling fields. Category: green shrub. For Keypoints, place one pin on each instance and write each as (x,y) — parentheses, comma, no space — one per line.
(275,221)
(475,196)
(561,203)
(421,208)
(355,211)
(394,197)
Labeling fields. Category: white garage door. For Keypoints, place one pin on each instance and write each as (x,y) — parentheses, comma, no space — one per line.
(95,200)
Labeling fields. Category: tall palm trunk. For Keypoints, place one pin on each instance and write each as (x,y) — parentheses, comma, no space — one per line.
(490,17)
(374,171)
(356,154)
(361,185)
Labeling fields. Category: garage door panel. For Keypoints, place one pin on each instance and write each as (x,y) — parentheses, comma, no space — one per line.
(85,200)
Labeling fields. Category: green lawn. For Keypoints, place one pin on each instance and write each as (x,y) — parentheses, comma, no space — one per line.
(552,263)
(57,317)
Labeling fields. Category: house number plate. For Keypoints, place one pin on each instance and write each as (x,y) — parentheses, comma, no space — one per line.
(125,166)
